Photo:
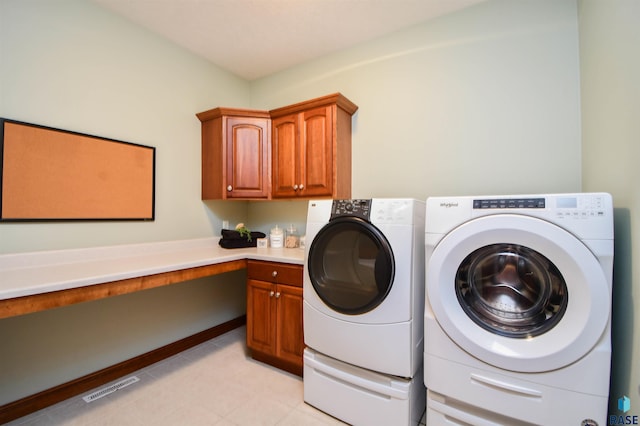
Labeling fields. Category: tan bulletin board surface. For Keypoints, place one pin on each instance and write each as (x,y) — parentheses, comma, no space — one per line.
(52,174)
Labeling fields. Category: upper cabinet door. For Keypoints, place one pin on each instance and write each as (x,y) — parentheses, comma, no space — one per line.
(316,153)
(286,154)
(247,157)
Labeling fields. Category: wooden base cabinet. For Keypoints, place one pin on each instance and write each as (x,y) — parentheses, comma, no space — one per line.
(274,314)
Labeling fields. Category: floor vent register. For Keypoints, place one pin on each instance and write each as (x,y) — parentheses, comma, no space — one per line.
(110,389)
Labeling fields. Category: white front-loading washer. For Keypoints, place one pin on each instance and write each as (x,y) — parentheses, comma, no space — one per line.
(518,308)
(363,291)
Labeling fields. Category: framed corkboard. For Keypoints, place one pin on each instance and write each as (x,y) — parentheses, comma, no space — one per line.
(50,174)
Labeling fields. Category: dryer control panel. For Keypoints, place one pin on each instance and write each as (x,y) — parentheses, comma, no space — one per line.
(357,207)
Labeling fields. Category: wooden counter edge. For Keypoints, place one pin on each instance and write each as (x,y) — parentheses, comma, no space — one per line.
(55,299)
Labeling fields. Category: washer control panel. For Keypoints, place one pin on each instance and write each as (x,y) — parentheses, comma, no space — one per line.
(358,207)
(510,203)
(580,206)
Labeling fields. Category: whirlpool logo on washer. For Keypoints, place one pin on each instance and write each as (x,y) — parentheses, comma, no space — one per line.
(448,205)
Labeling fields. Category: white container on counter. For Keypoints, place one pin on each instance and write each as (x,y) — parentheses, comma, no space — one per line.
(276,237)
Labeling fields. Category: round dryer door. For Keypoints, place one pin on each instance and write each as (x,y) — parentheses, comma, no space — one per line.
(351,265)
(518,292)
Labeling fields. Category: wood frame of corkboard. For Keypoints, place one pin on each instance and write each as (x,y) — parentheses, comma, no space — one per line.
(49,174)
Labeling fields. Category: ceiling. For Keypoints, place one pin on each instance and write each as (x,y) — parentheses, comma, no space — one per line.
(255,38)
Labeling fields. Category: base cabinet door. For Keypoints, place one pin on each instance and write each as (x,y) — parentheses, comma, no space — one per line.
(261,315)
(290,340)
(274,314)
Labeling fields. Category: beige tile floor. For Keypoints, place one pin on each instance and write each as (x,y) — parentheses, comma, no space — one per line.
(215,383)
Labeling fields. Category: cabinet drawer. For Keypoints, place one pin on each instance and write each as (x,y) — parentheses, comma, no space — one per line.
(274,272)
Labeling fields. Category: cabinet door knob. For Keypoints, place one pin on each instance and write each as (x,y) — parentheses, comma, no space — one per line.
(301,187)
(295,187)
(277,295)
(274,274)
(271,293)
(229,188)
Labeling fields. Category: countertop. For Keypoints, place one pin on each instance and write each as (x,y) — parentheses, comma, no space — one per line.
(26,274)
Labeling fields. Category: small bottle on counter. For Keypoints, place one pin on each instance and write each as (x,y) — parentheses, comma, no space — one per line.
(292,239)
(276,237)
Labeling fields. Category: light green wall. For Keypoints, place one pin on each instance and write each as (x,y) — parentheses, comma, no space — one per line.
(483,101)
(610,66)
(486,100)
(70,64)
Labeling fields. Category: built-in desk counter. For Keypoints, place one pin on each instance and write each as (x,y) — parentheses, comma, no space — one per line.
(31,282)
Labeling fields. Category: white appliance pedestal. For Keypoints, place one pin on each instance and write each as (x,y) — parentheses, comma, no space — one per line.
(359,396)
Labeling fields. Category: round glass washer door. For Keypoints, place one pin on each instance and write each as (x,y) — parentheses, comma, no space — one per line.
(511,290)
(518,293)
(351,265)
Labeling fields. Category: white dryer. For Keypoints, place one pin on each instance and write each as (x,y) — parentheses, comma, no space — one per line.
(518,308)
(363,291)
(363,284)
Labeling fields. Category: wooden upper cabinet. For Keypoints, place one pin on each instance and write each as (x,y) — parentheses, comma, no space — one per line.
(311,146)
(236,154)
(302,150)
